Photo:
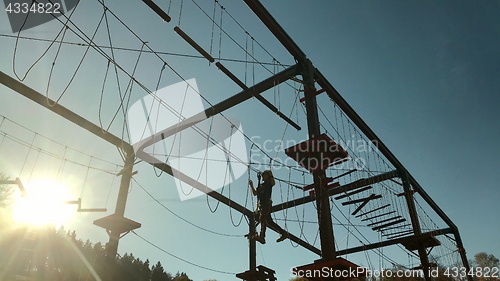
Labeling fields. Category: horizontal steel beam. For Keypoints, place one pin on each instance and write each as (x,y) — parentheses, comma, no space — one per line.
(242,96)
(19,184)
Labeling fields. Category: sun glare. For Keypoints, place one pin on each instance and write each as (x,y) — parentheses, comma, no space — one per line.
(44,204)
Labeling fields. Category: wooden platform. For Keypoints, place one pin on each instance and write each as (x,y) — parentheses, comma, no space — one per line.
(261,274)
(317,154)
(414,242)
(117,224)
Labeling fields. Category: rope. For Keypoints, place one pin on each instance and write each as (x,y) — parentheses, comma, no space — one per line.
(138,50)
(213,28)
(43,54)
(180,13)
(111,186)
(181,218)
(85,178)
(180,142)
(27,155)
(228,167)
(76,70)
(181,259)
(34,165)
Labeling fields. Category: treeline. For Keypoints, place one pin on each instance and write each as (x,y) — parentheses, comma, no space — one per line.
(43,254)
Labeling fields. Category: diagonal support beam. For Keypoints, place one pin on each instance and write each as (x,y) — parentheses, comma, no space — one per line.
(60,110)
(168,169)
(242,96)
(304,244)
(192,182)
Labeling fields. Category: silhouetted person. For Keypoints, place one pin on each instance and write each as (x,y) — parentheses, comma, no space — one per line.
(264,203)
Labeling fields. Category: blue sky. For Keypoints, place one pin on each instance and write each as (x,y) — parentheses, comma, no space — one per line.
(422,74)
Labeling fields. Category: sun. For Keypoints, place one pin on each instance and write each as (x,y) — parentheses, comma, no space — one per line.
(44,204)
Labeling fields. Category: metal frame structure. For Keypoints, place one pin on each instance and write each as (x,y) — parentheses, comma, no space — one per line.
(409,182)
(117,225)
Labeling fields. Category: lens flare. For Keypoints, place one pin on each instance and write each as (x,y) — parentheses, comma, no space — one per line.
(44,204)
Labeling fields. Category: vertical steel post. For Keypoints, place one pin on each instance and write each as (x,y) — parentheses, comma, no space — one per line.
(121,201)
(252,244)
(463,255)
(422,253)
(328,251)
